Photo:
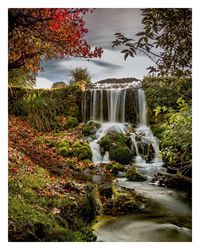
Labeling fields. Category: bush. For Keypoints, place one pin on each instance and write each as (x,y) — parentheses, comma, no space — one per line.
(41,111)
(120,153)
(72,122)
(82,150)
(133,174)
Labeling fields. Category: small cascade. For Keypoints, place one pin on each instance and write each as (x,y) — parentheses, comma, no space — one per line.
(105,128)
(108,107)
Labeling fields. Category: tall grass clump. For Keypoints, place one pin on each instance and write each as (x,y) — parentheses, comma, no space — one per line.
(41,111)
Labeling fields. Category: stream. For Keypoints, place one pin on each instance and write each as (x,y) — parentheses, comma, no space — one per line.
(169,222)
(170,218)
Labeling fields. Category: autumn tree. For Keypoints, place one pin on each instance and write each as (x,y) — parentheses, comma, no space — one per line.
(166,39)
(42,34)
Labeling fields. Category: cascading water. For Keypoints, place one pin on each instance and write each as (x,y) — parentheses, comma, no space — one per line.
(108,107)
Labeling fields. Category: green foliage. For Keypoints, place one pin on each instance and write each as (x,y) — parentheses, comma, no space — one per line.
(133,174)
(35,214)
(58,85)
(63,148)
(80,74)
(166,39)
(65,101)
(177,136)
(91,205)
(169,100)
(82,150)
(21,77)
(72,122)
(41,111)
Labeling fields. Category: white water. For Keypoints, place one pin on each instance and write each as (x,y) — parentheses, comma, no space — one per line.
(104,129)
(142,138)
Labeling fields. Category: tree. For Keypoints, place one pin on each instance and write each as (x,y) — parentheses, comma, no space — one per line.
(166,39)
(21,77)
(80,74)
(58,85)
(41,34)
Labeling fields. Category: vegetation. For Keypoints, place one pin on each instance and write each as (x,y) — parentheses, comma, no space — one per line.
(41,111)
(58,85)
(170,112)
(133,174)
(166,39)
(82,150)
(36,34)
(72,122)
(80,74)
(117,145)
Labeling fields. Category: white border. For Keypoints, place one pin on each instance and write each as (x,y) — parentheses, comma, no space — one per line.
(196,124)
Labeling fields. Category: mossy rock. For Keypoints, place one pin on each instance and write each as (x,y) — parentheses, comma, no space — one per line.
(112,137)
(91,204)
(120,153)
(114,167)
(133,174)
(72,122)
(90,128)
(82,150)
(106,190)
(63,148)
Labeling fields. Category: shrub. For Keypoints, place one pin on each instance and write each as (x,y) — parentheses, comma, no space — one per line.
(120,153)
(41,111)
(133,174)
(72,122)
(82,150)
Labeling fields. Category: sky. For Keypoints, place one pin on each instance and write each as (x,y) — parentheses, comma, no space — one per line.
(102,24)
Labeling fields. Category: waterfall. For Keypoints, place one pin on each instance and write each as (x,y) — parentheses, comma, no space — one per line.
(108,107)
(142,107)
(116,100)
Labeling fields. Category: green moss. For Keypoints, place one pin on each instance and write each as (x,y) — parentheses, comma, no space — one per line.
(114,167)
(63,148)
(133,174)
(82,150)
(64,151)
(31,212)
(91,204)
(72,122)
(120,153)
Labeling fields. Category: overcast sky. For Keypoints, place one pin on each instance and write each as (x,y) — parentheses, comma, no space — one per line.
(102,25)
